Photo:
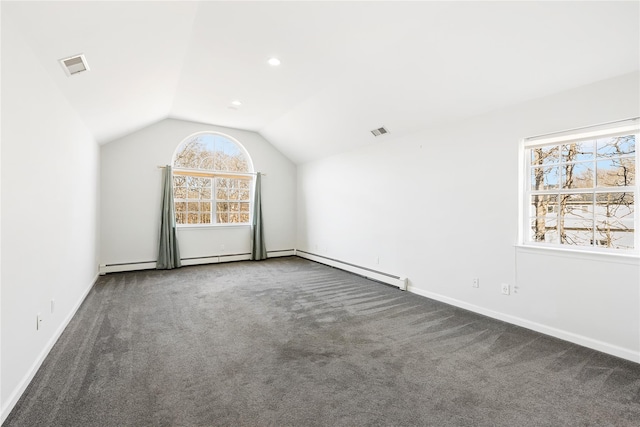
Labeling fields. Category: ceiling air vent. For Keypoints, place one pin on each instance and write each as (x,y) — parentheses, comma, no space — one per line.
(379,131)
(74,65)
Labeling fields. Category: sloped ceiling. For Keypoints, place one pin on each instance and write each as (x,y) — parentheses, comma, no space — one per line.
(347,67)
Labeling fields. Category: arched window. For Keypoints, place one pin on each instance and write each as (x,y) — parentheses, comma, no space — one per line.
(212,180)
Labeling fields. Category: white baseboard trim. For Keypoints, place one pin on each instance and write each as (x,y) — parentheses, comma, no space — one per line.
(604,347)
(213,259)
(380,276)
(22,386)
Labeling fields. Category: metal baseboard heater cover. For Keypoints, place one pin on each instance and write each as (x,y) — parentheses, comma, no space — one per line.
(390,279)
(213,259)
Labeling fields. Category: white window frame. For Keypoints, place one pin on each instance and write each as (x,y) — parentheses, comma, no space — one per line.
(622,127)
(213,174)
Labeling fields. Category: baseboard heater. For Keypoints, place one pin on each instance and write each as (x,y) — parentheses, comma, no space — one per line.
(213,259)
(390,279)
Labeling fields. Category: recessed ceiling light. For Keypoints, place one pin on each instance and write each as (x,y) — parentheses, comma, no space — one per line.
(274,62)
(236,103)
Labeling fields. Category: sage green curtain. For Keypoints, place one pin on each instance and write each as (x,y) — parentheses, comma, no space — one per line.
(168,252)
(258,248)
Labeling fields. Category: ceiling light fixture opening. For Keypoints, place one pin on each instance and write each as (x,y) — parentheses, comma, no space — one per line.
(274,62)
(236,103)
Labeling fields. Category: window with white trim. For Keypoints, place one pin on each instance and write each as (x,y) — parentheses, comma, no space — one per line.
(212,181)
(581,189)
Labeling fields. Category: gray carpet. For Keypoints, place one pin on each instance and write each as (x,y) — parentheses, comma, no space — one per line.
(288,342)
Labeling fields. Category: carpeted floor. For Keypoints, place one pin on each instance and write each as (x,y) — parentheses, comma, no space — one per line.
(288,342)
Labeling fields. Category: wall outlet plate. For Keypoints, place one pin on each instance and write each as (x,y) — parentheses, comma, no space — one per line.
(475,283)
(505,289)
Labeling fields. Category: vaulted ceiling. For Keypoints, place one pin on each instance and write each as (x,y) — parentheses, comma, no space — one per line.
(347,67)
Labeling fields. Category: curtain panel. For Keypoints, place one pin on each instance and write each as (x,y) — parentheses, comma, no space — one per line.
(168,251)
(258,248)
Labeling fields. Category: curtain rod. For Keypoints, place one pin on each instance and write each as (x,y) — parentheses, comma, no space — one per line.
(248,173)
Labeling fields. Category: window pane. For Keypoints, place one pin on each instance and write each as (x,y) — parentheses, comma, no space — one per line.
(193,218)
(577,175)
(206,193)
(205,207)
(244,207)
(234,207)
(544,155)
(222,194)
(234,217)
(206,218)
(222,207)
(179,181)
(223,217)
(211,152)
(244,194)
(615,220)
(181,218)
(577,234)
(578,151)
(244,217)
(245,184)
(180,193)
(222,182)
(181,206)
(193,206)
(576,206)
(544,229)
(576,219)
(543,204)
(544,178)
(234,194)
(620,145)
(616,172)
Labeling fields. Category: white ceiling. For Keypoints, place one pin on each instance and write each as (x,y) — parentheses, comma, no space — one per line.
(347,67)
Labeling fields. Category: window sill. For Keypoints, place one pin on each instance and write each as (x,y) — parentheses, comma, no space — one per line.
(209,226)
(621,258)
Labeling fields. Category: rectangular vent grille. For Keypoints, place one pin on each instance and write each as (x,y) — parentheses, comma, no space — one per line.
(379,131)
(74,65)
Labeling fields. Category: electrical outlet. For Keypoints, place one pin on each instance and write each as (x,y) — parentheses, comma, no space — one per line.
(475,283)
(53,305)
(505,289)
(38,321)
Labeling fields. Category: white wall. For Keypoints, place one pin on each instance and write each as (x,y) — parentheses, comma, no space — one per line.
(131,196)
(441,207)
(49,213)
